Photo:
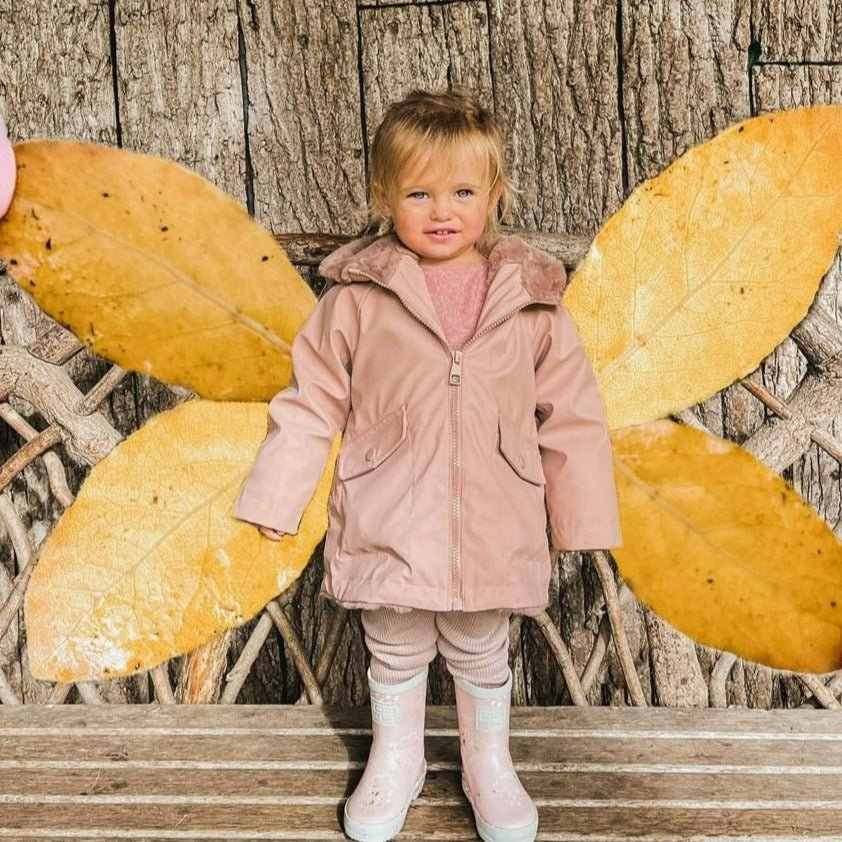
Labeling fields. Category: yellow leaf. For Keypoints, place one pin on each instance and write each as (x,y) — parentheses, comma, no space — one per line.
(725,550)
(706,268)
(148,563)
(154,268)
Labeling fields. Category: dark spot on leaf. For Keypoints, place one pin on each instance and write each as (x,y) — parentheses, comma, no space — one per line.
(154,498)
(49,243)
(265,257)
(106,195)
(165,228)
(742,290)
(13,262)
(709,580)
(833,603)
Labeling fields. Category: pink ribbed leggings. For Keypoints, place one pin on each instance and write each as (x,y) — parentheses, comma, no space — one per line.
(474,644)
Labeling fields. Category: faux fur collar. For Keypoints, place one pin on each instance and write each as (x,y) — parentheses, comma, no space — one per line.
(542,275)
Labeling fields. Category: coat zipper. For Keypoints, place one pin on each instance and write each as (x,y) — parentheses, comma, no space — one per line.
(454,379)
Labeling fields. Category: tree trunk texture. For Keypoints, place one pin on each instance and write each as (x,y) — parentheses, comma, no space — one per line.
(277,104)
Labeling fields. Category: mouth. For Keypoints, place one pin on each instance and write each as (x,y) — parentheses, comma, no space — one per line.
(441,233)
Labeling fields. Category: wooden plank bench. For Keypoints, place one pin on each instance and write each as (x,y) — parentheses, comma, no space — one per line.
(249,772)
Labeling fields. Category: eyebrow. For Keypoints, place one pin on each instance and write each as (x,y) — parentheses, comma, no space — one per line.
(412,187)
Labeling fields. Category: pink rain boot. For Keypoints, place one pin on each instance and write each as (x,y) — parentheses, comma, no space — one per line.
(503,810)
(396,767)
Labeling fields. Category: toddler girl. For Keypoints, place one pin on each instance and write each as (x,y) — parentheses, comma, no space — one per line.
(470,412)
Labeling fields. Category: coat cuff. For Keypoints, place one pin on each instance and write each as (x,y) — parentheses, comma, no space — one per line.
(274,512)
(592,535)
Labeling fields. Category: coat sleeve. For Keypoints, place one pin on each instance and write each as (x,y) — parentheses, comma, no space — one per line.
(574,441)
(304,417)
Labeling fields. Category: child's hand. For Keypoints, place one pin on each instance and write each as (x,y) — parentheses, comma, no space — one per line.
(271,533)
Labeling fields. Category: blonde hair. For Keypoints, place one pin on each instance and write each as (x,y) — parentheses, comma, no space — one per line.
(433,125)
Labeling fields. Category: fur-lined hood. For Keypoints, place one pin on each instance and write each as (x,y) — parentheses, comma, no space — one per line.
(541,275)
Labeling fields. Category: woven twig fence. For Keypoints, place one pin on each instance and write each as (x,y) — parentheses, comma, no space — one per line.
(38,375)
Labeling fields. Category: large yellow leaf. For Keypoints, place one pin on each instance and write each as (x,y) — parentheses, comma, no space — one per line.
(148,563)
(154,268)
(725,550)
(707,267)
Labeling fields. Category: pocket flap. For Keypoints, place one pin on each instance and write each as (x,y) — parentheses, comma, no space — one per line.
(522,454)
(373,445)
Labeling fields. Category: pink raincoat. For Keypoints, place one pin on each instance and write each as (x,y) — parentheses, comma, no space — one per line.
(454,464)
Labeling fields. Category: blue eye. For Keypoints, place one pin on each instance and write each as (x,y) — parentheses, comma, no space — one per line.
(461,190)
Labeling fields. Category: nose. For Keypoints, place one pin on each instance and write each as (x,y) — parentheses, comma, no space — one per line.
(441,208)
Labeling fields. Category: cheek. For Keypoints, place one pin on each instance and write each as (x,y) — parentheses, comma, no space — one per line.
(478,215)
(406,216)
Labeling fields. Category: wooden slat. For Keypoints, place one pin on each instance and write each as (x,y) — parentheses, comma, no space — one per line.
(306,145)
(789,31)
(284,772)
(437,44)
(179,86)
(733,722)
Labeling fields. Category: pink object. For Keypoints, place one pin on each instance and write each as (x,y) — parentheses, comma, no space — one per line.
(474,644)
(396,767)
(453,463)
(458,293)
(8,171)
(503,810)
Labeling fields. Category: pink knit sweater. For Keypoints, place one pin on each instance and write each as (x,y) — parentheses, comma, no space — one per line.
(458,293)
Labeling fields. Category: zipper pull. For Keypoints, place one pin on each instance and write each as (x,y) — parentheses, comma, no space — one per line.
(456,369)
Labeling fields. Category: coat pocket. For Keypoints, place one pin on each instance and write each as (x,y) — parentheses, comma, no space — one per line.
(373,445)
(374,505)
(523,455)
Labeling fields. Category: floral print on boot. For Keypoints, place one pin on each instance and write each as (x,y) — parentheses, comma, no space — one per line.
(396,767)
(503,810)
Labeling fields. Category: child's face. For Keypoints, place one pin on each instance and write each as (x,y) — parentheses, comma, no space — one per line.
(428,200)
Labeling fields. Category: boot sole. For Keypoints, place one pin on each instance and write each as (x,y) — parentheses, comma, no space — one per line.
(491,833)
(383,831)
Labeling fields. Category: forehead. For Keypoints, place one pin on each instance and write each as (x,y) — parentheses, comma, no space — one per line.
(463,164)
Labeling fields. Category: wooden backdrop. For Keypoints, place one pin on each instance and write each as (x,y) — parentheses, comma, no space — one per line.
(276,104)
